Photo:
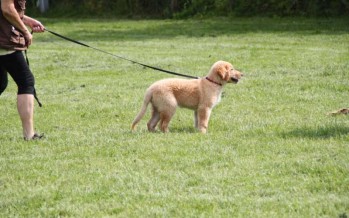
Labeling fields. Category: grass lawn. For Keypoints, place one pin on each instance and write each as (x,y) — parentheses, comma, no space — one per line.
(271,150)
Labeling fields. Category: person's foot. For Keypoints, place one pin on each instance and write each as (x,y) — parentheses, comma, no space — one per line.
(36,136)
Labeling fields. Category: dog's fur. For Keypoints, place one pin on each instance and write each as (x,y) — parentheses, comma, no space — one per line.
(200,95)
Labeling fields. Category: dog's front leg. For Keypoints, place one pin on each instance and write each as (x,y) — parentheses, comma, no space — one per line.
(203,118)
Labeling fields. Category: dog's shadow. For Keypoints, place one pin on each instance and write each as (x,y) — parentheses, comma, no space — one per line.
(184,129)
(189,130)
(322,132)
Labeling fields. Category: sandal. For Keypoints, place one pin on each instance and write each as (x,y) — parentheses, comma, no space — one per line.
(36,136)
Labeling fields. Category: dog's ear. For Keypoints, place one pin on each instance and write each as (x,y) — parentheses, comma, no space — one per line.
(223,72)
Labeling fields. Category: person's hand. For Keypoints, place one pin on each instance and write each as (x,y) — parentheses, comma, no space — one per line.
(28,38)
(36,26)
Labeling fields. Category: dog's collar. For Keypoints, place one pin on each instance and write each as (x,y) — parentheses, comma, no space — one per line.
(213,81)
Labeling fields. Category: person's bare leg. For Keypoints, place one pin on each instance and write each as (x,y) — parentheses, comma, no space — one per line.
(25,106)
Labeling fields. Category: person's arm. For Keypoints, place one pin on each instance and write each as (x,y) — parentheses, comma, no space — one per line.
(10,13)
(35,25)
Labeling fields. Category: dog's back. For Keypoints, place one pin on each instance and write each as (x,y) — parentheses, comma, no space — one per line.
(176,92)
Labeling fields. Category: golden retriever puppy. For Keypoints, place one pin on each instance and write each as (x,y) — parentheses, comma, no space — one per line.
(200,95)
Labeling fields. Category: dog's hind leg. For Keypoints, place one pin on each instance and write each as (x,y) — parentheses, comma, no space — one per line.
(155,117)
(165,118)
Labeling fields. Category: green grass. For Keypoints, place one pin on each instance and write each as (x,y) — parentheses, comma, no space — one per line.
(271,150)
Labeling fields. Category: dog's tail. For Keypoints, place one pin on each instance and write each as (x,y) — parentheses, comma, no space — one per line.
(147,99)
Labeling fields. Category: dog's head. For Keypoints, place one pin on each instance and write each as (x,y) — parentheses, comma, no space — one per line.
(224,72)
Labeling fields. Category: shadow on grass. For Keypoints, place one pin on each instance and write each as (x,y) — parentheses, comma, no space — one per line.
(184,129)
(324,132)
(104,30)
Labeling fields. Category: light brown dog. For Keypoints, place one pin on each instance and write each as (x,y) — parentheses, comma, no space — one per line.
(200,95)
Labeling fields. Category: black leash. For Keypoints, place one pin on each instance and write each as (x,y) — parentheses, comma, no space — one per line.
(35,95)
(117,56)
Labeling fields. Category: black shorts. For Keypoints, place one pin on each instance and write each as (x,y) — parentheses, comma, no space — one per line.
(16,65)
